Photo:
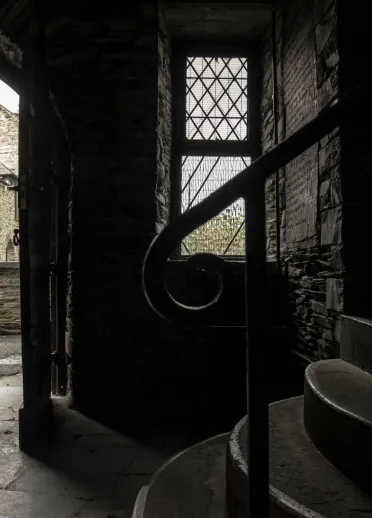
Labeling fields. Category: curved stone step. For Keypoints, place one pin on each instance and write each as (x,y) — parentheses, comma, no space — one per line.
(303,482)
(356,341)
(190,485)
(338,416)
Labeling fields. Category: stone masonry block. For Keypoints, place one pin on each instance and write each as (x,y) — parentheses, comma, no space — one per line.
(331,226)
(335,294)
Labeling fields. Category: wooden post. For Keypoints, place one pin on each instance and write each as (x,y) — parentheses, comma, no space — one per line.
(35,178)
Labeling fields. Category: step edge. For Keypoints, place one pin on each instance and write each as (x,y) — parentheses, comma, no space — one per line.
(331,403)
(354,347)
(277,497)
(361,320)
(210,440)
(140,503)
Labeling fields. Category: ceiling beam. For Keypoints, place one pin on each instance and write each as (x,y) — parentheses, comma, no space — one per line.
(10,74)
(14,16)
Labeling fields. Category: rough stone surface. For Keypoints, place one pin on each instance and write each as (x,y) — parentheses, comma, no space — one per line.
(191,484)
(11,52)
(124,360)
(8,222)
(334,292)
(10,319)
(88,471)
(9,139)
(8,199)
(310,188)
(356,341)
(337,394)
(118,143)
(331,232)
(301,186)
(164,126)
(301,479)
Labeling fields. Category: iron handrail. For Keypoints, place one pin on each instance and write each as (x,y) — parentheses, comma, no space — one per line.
(249,184)
(155,289)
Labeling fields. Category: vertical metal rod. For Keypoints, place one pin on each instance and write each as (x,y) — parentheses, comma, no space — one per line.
(257,402)
(53,280)
(60,209)
(23,205)
(276,136)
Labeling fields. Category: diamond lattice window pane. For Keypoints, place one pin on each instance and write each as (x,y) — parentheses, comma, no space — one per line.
(216,98)
(224,234)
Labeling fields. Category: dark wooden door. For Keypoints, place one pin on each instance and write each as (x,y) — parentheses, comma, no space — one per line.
(59,257)
(34,222)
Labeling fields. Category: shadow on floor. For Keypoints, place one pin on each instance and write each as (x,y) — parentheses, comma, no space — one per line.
(86,470)
(89,470)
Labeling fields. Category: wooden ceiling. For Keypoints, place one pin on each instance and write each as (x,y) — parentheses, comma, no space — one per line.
(210,19)
(217,20)
(14,18)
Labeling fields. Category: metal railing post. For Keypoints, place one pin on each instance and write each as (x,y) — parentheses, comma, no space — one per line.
(257,402)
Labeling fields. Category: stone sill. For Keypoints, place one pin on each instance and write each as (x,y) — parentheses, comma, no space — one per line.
(13,264)
(237,262)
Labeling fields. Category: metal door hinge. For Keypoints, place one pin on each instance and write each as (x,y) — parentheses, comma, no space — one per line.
(54,268)
(57,359)
(16,239)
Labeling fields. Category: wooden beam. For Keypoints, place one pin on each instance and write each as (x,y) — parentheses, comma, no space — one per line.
(35,181)
(15,15)
(10,74)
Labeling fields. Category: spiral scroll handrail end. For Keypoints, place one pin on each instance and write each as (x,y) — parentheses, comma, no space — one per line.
(157,294)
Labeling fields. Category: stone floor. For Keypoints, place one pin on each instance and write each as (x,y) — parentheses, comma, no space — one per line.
(10,355)
(88,471)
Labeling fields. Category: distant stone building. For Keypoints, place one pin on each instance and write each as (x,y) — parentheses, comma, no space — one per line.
(8,198)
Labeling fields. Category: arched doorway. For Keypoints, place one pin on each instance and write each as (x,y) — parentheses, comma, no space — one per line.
(10,321)
(43,284)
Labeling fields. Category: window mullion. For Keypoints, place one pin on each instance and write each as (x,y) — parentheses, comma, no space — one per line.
(217,100)
(213,148)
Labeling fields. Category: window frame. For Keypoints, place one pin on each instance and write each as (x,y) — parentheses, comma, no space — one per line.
(181,146)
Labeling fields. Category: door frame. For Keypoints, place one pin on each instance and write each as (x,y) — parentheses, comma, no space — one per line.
(36,413)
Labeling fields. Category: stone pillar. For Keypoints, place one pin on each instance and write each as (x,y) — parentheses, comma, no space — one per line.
(104,78)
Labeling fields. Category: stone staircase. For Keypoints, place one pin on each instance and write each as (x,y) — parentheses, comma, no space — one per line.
(320,450)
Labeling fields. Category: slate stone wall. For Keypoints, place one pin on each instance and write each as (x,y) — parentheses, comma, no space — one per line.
(310,186)
(10,319)
(8,199)
(164,125)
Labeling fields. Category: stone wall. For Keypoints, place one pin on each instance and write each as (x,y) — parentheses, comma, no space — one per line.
(164,125)
(10,319)
(8,201)
(124,360)
(8,139)
(8,222)
(311,237)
